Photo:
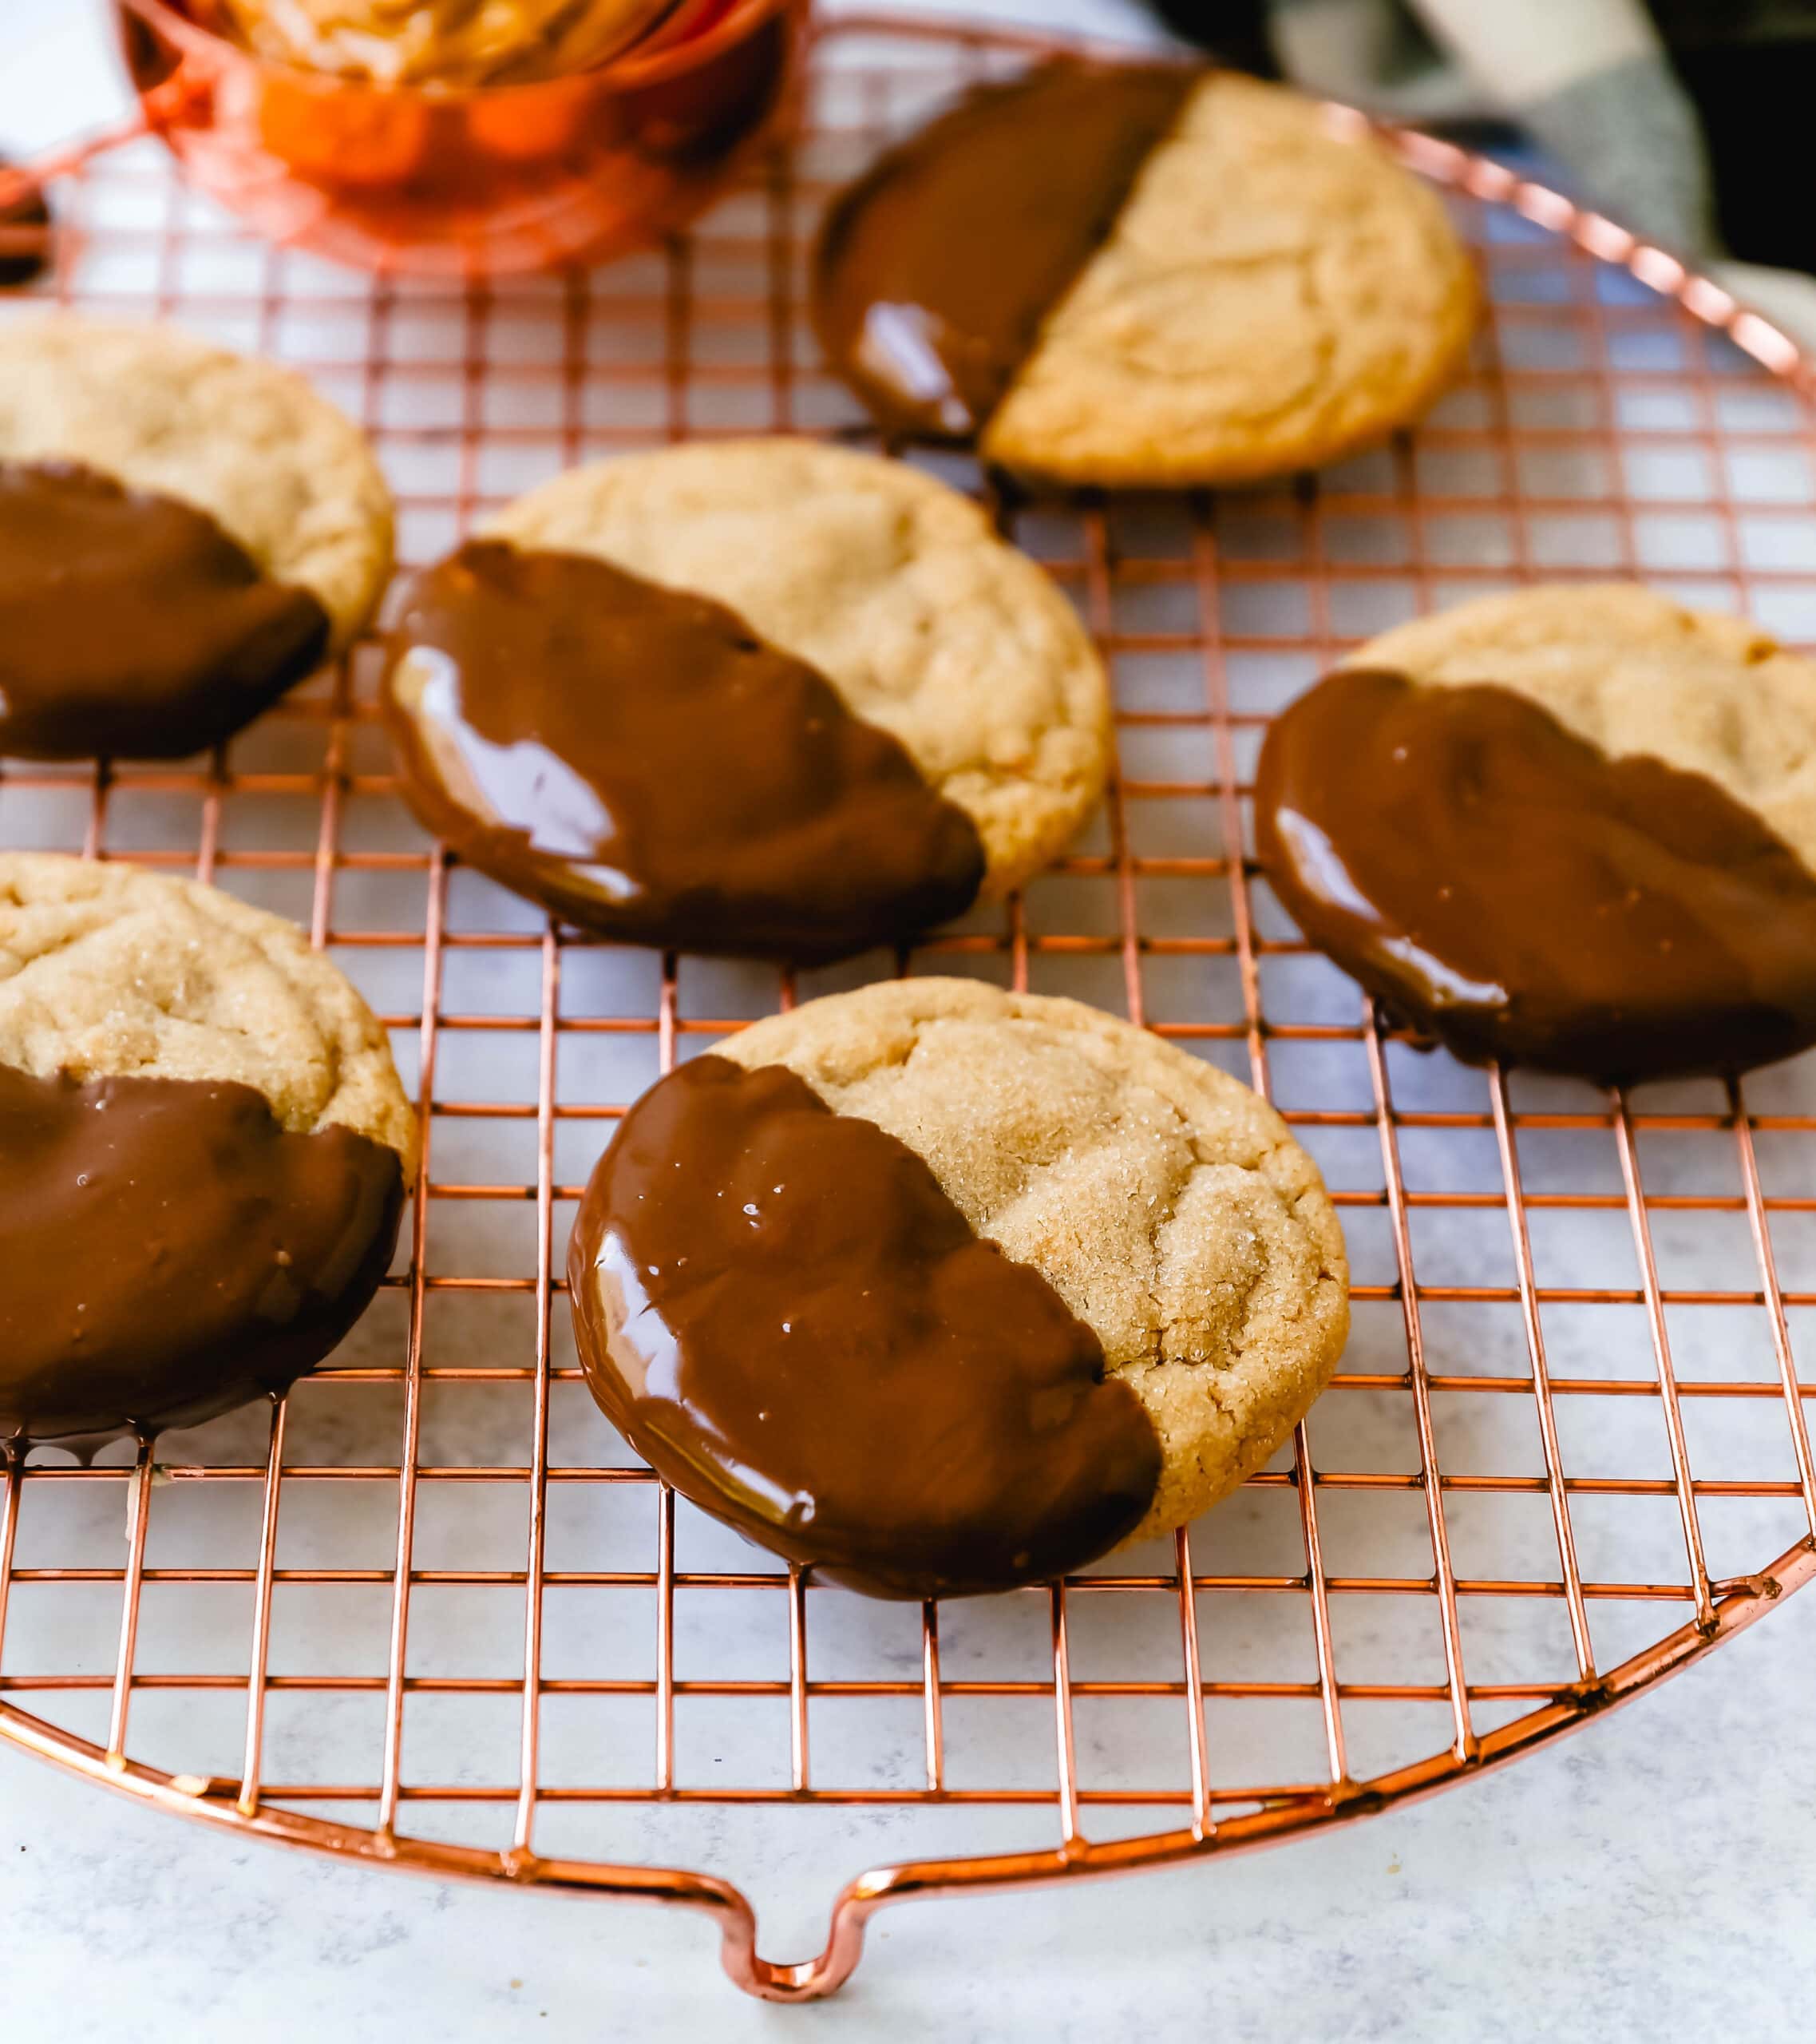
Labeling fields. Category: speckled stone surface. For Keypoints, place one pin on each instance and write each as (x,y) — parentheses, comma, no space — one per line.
(1652,1878)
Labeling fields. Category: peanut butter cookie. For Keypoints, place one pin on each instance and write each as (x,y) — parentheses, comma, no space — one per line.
(204,1151)
(285,475)
(1165,1204)
(183,534)
(1572,826)
(1143,276)
(741,678)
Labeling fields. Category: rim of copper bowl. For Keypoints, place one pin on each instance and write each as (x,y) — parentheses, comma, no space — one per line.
(627,68)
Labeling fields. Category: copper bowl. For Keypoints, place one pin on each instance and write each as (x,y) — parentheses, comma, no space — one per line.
(405,180)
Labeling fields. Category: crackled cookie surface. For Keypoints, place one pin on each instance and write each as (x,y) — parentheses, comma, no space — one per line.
(1165,1206)
(1209,282)
(184,533)
(761,695)
(1571,825)
(204,1151)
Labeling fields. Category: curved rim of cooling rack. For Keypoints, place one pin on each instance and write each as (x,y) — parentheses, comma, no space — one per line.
(214,1800)
(1737,1603)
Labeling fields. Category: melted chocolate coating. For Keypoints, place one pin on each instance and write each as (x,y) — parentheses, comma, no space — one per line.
(637,759)
(132,624)
(1509,888)
(169,1249)
(787,1317)
(24,256)
(933,273)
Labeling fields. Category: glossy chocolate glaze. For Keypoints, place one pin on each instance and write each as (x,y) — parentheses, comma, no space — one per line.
(131,623)
(933,273)
(637,759)
(1509,888)
(25,244)
(169,1249)
(787,1317)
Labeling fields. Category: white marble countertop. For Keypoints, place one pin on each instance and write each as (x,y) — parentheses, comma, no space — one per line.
(1652,1877)
(1655,1876)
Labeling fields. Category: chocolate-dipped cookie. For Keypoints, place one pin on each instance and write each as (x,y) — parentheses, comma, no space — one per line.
(25,226)
(1573,827)
(941,1289)
(763,697)
(1143,275)
(204,1152)
(183,534)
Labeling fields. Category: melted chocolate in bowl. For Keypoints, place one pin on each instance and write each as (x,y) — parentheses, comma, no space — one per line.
(168,1249)
(1510,888)
(407,179)
(933,273)
(131,623)
(787,1317)
(637,759)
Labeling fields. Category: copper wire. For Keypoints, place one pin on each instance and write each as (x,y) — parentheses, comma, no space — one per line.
(877,67)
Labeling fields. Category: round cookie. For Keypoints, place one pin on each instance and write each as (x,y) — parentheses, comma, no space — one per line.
(1168,1205)
(1273,295)
(283,473)
(1571,825)
(1272,291)
(205,1150)
(895,587)
(1634,672)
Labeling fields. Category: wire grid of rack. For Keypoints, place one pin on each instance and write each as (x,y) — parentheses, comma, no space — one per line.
(430,1609)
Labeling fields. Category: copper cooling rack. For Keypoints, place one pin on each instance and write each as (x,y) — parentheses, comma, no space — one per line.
(431,1611)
